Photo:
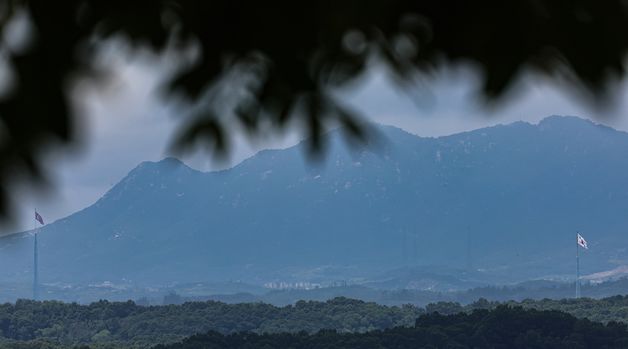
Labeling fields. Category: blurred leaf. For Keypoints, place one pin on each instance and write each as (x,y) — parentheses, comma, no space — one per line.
(307,48)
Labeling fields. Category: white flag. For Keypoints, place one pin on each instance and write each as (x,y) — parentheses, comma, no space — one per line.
(582,242)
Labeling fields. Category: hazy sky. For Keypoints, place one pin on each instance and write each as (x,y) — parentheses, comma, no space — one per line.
(125,123)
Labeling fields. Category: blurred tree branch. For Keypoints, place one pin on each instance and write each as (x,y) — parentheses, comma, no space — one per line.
(287,56)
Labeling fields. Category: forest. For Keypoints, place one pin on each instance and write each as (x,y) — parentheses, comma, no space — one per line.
(126,324)
(502,327)
(52,324)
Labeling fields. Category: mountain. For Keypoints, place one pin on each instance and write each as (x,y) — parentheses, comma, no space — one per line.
(500,201)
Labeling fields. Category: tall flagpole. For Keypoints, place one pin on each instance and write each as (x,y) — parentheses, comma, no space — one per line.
(577,267)
(35,265)
(36,271)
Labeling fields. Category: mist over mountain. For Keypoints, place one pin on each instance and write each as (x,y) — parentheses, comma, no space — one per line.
(505,200)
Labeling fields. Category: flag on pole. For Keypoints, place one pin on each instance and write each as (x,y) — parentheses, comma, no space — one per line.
(39,218)
(582,242)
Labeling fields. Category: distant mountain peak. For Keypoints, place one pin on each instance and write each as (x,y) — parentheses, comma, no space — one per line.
(574,124)
(150,173)
(166,164)
(171,161)
(565,119)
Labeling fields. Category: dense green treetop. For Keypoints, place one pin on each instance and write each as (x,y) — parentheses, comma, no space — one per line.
(502,327)
(125,324)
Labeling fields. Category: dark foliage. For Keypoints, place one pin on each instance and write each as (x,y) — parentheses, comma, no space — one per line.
(29,324)
(282,59)
(503,327)
(131,325)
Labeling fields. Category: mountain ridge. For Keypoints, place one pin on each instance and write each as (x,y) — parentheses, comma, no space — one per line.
(457,199)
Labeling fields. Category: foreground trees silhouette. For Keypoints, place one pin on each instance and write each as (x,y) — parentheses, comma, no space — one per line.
(280,61)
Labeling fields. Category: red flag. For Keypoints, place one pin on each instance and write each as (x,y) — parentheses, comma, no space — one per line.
(38,218)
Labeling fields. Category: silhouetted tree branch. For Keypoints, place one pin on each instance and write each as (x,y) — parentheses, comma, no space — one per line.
(285,57)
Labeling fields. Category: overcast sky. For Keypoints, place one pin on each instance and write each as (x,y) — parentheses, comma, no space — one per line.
(125,123)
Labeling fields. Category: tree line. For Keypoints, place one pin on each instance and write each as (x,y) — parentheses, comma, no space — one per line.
(103,324)
(126,324)
(502,327)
